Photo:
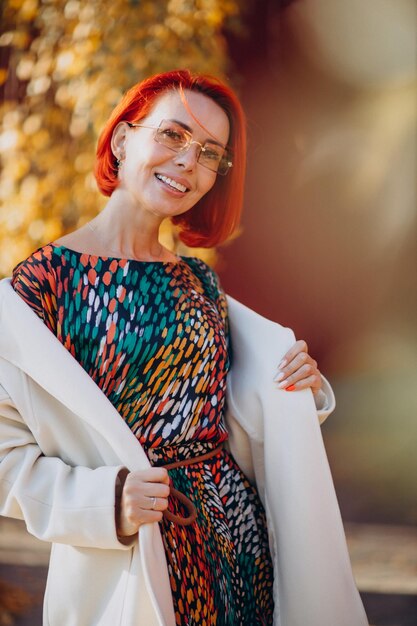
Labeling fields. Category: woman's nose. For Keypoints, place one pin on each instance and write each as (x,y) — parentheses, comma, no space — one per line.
(188,157)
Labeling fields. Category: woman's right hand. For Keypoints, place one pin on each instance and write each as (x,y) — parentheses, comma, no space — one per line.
(144,497)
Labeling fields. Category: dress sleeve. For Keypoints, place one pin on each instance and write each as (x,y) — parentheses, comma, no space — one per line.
(34,281)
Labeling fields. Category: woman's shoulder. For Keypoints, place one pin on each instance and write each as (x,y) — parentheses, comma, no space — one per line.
(37,265)
(211,283)
(34,280)
(204,271)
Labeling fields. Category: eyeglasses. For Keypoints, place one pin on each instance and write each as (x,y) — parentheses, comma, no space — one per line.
(178,139)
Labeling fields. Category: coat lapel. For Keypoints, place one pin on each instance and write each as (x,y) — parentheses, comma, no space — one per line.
(27,343)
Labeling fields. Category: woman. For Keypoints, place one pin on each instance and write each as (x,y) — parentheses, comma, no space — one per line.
(151,330)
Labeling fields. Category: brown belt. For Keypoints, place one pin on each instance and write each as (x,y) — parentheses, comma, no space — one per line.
(192,511)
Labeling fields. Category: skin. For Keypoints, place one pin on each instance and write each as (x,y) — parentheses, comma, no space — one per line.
(298,370)
(128,227)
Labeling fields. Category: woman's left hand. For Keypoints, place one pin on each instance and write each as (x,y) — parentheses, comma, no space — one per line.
(297,370)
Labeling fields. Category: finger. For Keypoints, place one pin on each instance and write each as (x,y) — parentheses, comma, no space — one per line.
(304,383)
(151,475)
(152,503)
(149,516)
(299,363)
(298,346)
(135,513)
(130,525)
(144,497)
(159,490)
(302,372)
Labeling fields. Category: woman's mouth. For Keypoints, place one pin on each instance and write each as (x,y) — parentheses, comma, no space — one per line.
(172,184)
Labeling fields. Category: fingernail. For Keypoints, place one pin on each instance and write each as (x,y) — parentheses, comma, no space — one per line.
(279,377)
(290,388)
(283,384)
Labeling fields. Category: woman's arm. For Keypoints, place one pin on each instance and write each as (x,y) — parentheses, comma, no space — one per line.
(59,503)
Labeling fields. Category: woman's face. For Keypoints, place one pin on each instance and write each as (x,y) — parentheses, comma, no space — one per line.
(148,164)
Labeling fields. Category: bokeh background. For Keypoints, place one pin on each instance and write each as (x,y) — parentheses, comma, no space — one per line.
(328,241)
(329,233)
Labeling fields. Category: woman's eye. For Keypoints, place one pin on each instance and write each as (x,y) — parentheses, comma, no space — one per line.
(173,134)
(212,155)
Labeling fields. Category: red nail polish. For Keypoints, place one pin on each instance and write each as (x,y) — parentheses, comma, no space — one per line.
(290,388)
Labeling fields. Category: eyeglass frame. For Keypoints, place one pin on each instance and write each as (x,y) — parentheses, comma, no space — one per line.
(187,145)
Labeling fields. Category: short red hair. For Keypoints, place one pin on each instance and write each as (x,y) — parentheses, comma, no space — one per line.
(216,216)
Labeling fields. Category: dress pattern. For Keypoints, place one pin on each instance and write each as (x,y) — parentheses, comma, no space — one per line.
(154,337)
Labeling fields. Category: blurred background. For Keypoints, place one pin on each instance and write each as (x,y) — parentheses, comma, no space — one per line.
(328,241)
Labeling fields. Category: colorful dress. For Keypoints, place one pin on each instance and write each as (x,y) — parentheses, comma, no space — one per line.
(153,336)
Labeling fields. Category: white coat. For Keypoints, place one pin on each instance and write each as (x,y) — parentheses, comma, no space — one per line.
(62,444)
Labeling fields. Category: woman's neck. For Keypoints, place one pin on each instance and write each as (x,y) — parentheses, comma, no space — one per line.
(129,231)
(119,231)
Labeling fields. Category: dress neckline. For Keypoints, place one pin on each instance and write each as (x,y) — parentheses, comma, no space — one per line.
(180,259)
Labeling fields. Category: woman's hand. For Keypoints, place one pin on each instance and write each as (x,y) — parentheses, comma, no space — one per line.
(298,370)
(144,497)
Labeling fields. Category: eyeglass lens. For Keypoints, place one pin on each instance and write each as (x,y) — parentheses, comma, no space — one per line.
(176,138)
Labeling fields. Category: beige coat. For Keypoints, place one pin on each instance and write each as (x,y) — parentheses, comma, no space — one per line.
(62,444)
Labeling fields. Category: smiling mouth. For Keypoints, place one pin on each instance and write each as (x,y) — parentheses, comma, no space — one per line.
(172,183)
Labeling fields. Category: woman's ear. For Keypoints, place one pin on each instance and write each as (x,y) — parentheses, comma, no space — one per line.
(118,140)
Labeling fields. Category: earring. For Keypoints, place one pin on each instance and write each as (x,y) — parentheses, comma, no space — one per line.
(119,160)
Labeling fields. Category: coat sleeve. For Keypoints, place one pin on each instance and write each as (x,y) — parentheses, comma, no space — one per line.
(59,503)
(325,400)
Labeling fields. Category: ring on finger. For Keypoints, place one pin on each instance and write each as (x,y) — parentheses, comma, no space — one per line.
(153,505)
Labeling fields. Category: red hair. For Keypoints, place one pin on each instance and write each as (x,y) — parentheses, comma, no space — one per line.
(216,216)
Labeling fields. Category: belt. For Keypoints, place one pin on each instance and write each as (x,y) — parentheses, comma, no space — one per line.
(181,497)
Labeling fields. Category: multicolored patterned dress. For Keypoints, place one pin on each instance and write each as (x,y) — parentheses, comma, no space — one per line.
(154,338)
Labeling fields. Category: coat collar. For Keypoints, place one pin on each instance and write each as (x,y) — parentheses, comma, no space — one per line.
(28,344)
